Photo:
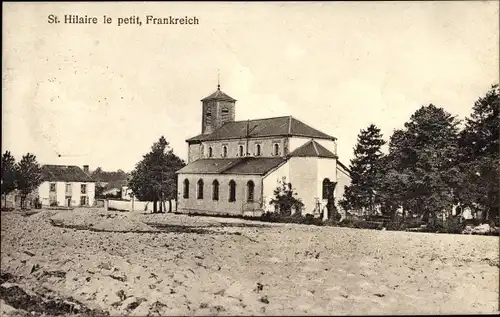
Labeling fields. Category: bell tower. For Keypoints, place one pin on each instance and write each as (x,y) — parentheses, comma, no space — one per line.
(217,109)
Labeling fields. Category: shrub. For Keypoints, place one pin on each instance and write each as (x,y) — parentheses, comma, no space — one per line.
(310,220)
(285,199)
(395,226)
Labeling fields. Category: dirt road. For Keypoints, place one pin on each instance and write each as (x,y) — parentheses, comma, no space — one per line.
(137,264)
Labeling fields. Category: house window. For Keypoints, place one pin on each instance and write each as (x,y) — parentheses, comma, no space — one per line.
(276,149)
(83,201)
(215,190)
(200,189)
(68,188)
(241,150)
(257,150)
(250,190)
(186,188)
(232,191)
(52,187)
(83,188)
(210,152)
(224,151)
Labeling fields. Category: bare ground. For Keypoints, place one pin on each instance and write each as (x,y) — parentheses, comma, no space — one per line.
(90,262)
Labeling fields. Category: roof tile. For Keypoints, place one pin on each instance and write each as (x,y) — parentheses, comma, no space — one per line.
(63,173)
(279,126)
(312,149)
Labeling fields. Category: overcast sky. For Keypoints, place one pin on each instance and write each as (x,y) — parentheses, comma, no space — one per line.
(102,94)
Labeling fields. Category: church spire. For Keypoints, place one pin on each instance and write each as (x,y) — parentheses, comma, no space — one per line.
(218,79)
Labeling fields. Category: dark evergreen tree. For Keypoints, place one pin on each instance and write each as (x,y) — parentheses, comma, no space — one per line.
(362,192)
(29,176)
(479,158)
(9,174)
(422,159)
(154,177)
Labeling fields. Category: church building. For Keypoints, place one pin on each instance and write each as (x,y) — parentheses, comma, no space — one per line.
(234,166)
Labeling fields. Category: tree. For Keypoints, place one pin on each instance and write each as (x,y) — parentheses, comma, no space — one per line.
(9,174)
(154,178)
(362,192)
(479,158)
(421,165)
(285,199)
(29,176)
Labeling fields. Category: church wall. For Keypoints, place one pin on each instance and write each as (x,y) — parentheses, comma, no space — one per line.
(266,144)
(327,168)
(296,142)
(193,152)
(343,180)
(271,181)
(304,179)
(223,205)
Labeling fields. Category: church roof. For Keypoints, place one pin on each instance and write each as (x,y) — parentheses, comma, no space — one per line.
(345,168)
(279,126)
(63,173)
(247,165)
(219,95)
(312,149)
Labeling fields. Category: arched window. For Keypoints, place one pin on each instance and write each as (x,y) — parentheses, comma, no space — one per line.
(257,150)
(326,188)
(232,191)
(276,149)
(215,190)
(250,190)
(200,189)
(241,150)
(224,151)
(210,152)
(186,189)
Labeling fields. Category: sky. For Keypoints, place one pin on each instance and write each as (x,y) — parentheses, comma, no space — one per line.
(102,94)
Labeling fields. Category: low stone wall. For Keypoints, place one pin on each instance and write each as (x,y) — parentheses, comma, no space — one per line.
(136,205)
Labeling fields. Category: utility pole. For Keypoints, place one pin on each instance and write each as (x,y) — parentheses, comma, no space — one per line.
(247,136)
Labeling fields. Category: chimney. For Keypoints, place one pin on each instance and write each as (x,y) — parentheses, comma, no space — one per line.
(86,169)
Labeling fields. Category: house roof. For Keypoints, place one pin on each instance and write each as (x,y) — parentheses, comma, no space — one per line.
(247,165)
(116,184)
(279,126)
(312,149)
(219,95)
(63,173)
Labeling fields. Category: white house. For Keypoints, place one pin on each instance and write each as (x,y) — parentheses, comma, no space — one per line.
(68,186)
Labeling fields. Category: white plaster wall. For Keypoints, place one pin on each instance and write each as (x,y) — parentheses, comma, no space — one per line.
(343,180)
(223,205)
(90,193)
(327,168)
(43,193)
(271,181)
(304,179)
(61,193)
